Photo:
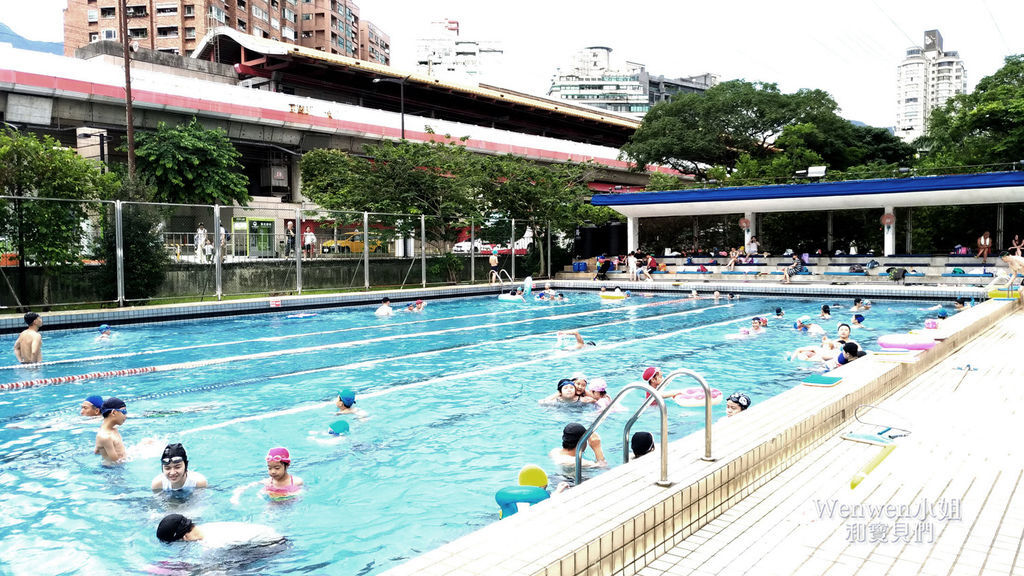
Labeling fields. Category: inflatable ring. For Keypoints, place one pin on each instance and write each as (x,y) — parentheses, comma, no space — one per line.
(527,286)
(1003,293)
(510,497)
(510,298)
(906,341)
(613,295)
(694,397)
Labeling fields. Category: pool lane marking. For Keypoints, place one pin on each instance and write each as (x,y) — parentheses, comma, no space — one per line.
(308,334)
(275,353)
(472,373)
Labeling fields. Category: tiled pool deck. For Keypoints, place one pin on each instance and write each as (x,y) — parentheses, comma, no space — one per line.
(753,510)
(955,486)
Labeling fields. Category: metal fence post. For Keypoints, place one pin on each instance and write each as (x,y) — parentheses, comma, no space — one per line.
(218,250)
(549,249)
(472,253)
(423,249)
(366,250)
(298,249)
(512,249)
(119,251)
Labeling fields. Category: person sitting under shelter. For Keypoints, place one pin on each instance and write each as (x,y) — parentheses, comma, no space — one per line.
(793,269)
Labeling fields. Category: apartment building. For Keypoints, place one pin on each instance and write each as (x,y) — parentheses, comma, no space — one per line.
(928,76)
(176,26)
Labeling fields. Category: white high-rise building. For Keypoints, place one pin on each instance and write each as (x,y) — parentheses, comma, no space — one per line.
(592,79)
(447,56)
(925,80)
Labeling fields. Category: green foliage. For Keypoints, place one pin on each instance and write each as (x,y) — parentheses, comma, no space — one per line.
(191,165)
(661,181)
(145,260)
(717,127)
(52,232)
(447,264)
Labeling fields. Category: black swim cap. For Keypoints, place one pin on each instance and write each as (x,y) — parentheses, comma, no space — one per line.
(741,399)
(173,528)
(173,451)
(565,382)
(642,443)
(571,435)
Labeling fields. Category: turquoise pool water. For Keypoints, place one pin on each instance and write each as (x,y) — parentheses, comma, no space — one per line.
(451,396)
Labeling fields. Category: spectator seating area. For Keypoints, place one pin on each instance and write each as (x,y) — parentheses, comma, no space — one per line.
(919,269)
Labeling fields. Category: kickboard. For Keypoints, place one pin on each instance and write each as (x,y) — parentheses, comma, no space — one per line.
(821,380)
(864,438)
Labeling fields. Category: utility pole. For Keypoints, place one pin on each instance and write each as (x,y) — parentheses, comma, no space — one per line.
(129,116)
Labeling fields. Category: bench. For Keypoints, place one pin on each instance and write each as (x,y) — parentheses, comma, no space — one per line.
(907,274)
(865,273)
(951,275)
(804,272)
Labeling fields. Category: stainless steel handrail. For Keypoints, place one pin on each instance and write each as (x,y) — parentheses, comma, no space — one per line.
(707,411)
(625,458)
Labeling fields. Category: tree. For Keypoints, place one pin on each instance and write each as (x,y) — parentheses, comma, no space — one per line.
(191,165)
(51,234)
(144,256)
(695,131)
(983,127)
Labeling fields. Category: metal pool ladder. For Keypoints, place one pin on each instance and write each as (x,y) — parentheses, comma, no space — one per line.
(501,282)
(660,401)
(625,449)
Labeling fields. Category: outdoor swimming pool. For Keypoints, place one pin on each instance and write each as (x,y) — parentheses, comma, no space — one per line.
(452,400)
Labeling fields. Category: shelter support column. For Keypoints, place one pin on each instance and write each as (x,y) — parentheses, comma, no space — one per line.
(1000,221)
(751,229)
(632,233)
(889,231)
(828,241)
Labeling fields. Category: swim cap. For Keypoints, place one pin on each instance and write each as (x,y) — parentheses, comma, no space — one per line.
(805,319)
(942,314)
(825,308)
(778,311)
(173,528)
(649,373)
(347,396)
(418,302)
(858,317)
(533,475)
(565,382)
(111,404)
(30,318)
(740,398)
(571,435)
(103,328)
(96,401)
(338,427)
(174,451)
(641,443)
(599,385)
(279,455)
(578,376)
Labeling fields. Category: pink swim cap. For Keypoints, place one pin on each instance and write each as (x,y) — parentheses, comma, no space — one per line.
(649,373)
(279,455)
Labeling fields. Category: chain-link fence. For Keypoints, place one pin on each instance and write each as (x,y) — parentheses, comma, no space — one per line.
(58,253)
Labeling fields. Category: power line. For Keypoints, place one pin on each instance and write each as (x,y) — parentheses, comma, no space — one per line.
(1006,48)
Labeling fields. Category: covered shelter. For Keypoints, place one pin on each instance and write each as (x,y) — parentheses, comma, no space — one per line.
(888,193)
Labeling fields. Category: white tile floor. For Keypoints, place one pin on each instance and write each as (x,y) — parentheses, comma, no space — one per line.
(964,451)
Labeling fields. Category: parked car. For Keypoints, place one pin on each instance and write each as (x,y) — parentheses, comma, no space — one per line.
(350,242)
(478,246)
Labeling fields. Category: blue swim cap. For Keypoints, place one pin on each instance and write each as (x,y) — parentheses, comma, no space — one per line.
(347,396)
(858,317)
(338,427)
(103,328)
(96,401)
(942,314)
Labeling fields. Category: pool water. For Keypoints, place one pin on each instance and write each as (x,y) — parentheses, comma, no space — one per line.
(452,401)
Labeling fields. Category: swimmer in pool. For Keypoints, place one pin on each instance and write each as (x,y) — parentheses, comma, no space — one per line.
(857,321)
(736,403)
(415,306)
(826,351)
(641,443)
(28,348)
(109,444)
(346,402)
(91,406)
(566,455)
(178,528)
(859,305)
(599,392)
(843,334)
(804,324)
(826,312)
(175,475)
(580,343)
(105,333)
(281,485)
(566,393)
(384,310)
(779,313)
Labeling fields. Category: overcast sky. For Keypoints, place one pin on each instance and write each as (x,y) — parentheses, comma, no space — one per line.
(848,48)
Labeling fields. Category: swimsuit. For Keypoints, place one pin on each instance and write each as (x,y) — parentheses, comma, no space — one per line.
(278,493)
(188,486)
